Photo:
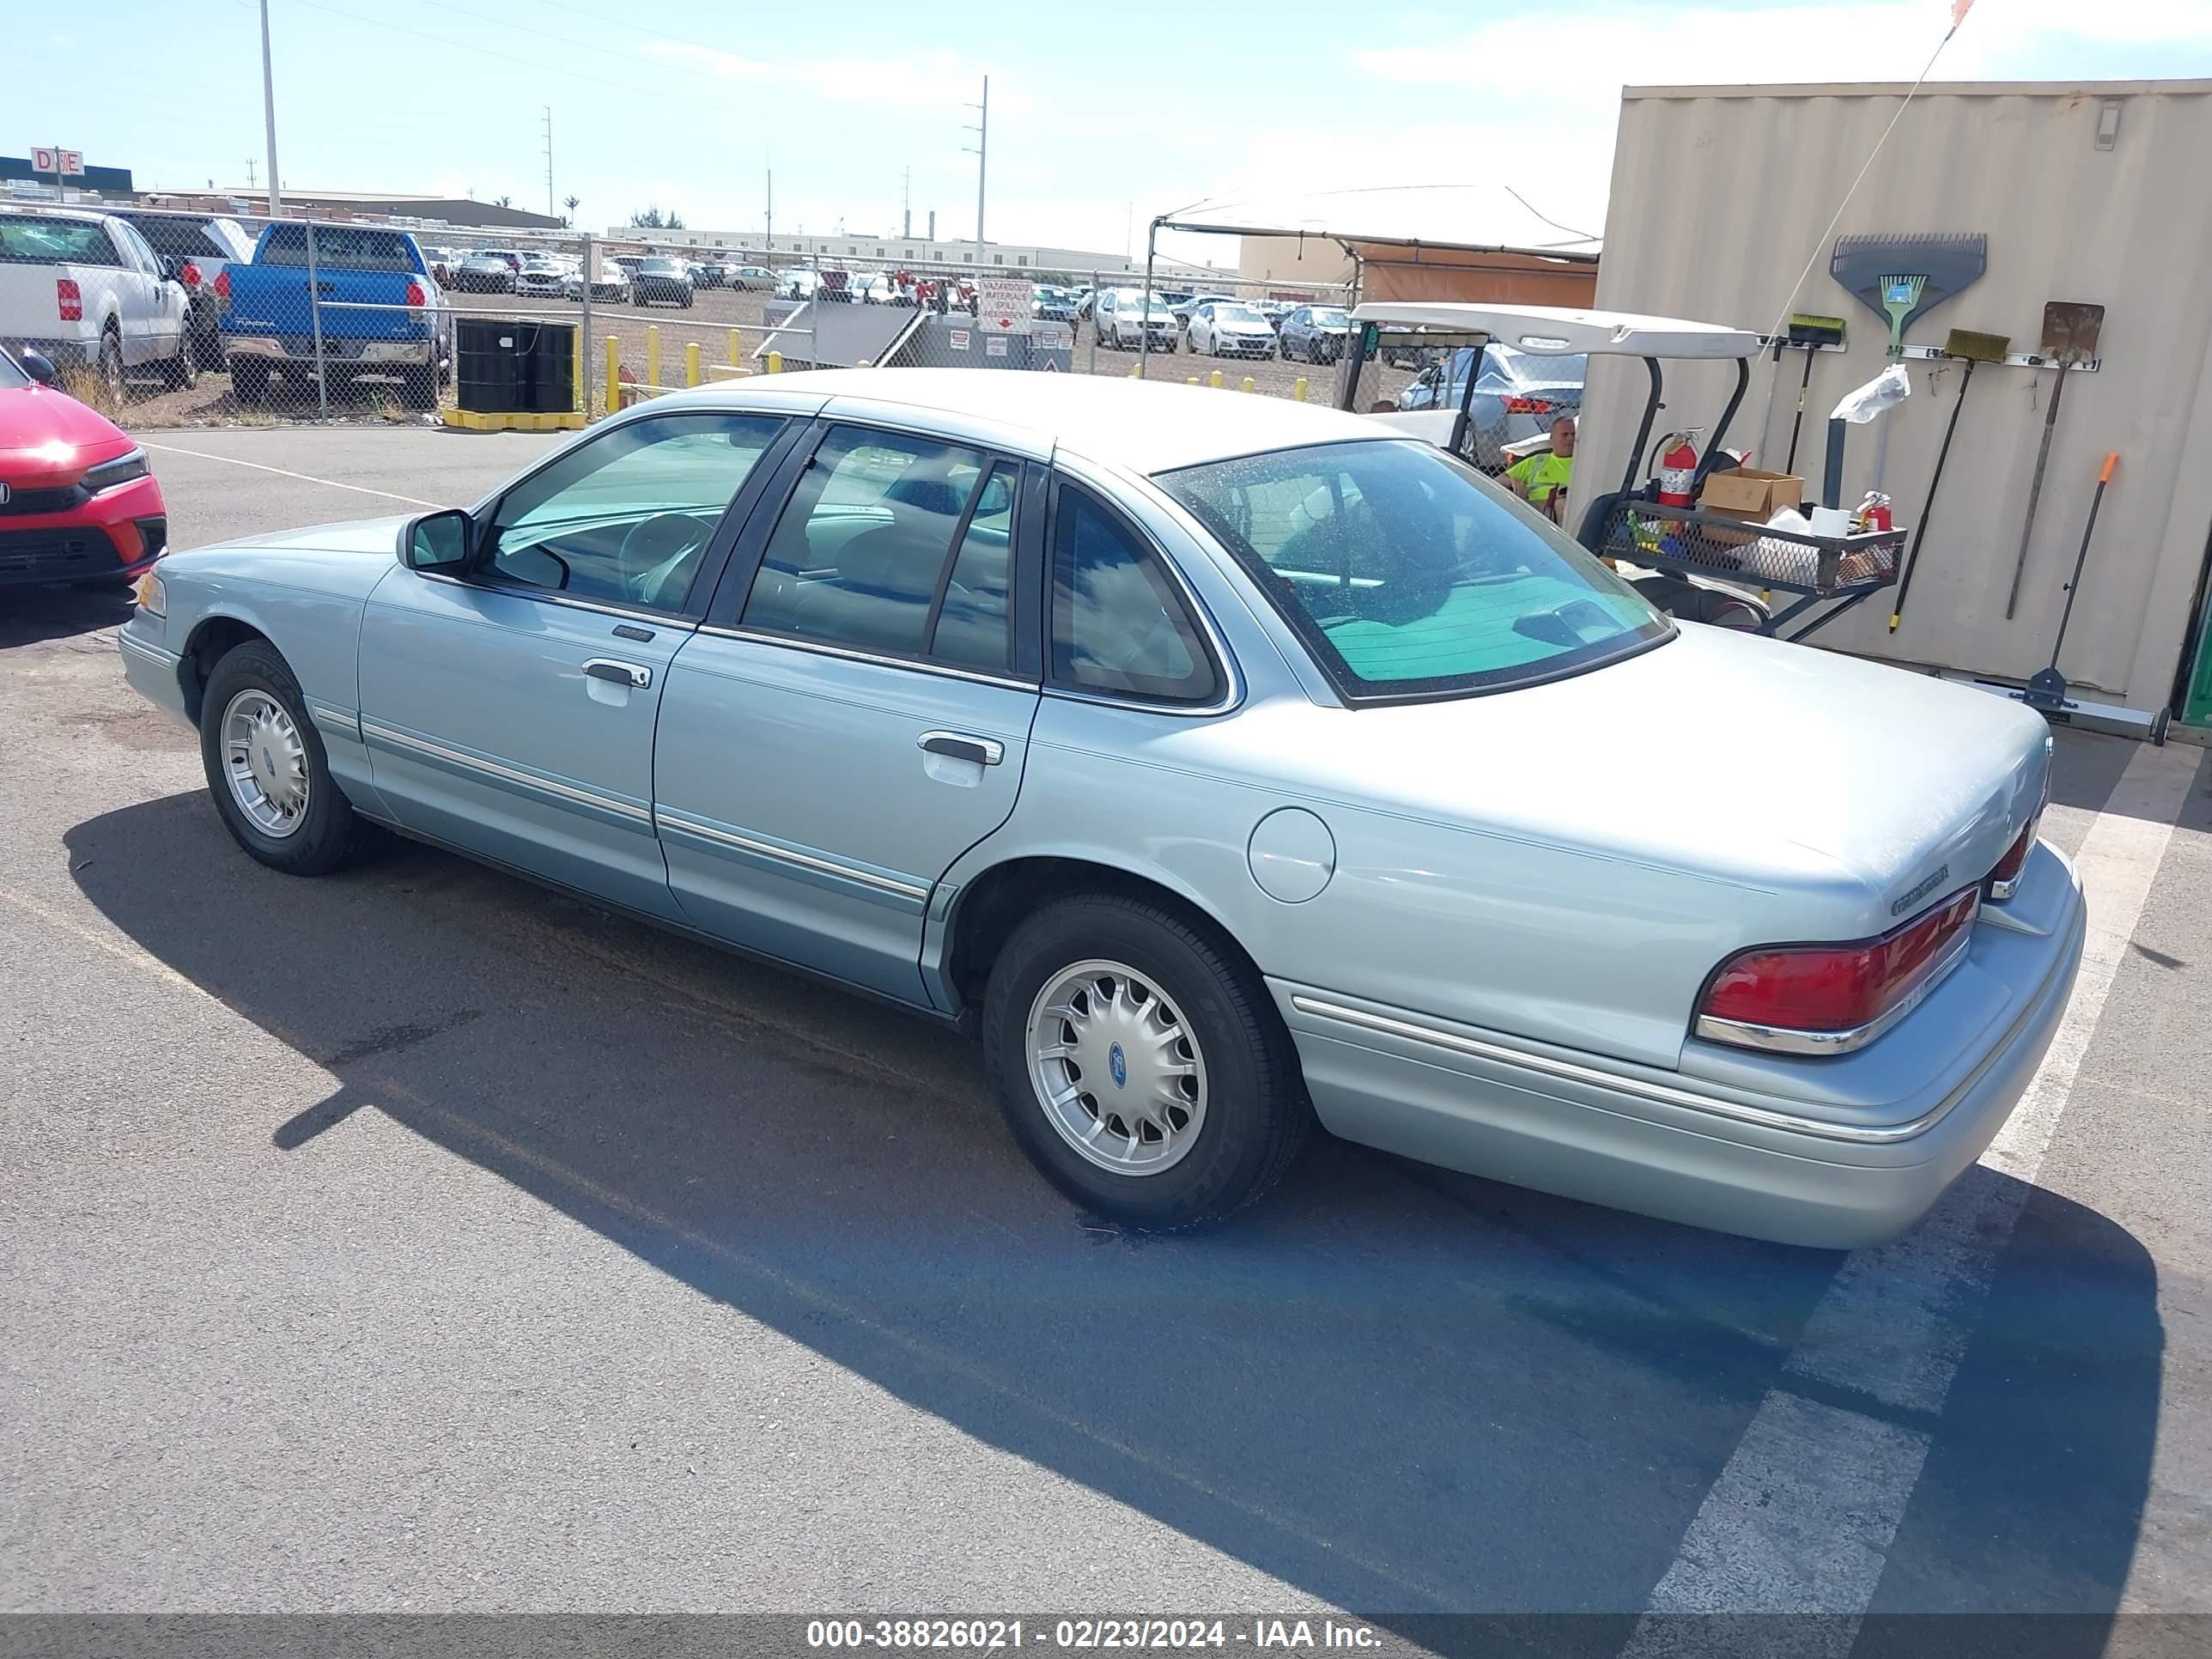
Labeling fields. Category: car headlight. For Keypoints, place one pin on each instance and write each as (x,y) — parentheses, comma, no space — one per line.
(121,470)
(151,597)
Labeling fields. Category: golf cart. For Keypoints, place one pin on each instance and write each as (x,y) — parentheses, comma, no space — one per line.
(1692,562)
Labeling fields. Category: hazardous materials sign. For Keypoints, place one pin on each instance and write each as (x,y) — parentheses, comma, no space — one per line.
(1003,304)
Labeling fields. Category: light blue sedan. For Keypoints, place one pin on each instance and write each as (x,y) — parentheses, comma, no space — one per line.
(1225,763)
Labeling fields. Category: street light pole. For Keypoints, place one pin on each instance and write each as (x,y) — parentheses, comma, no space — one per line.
(982,153)
(269,116)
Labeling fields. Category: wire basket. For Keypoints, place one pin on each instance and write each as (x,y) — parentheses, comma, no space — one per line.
(1712,543)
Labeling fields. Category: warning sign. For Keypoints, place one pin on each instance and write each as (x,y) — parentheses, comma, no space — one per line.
(994,345)
(1002,304)
(959,338)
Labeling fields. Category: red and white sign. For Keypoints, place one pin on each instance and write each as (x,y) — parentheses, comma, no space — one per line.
(62,163)
(1003,304)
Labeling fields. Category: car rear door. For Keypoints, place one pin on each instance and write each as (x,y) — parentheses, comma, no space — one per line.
(854,713)
(510,711)
(148,332)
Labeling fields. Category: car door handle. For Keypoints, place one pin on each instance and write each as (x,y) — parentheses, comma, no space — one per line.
(631,674)
(956,745)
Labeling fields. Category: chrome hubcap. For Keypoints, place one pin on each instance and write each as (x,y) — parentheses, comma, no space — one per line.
(1117,1071)
(266,763)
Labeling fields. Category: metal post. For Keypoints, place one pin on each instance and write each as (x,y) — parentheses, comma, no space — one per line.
(584,339)
(1145,315)
(269,117)
(1095,288)
(315,317)
(983,157)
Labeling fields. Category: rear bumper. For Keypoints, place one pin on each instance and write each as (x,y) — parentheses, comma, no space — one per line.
(1680,1148)
(338,351)
(62,354)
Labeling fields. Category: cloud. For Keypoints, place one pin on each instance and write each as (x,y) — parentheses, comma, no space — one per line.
(934,81)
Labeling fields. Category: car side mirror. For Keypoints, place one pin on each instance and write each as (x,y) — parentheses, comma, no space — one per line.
(438,541)
(38,367)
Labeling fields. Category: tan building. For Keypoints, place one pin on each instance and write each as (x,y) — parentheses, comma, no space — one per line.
(2088,191)
(1409,268)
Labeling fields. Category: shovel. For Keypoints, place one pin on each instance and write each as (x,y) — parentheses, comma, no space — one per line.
(2070,338)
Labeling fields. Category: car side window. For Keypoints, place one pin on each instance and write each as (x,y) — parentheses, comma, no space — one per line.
(864,554)
(625,517)
(135,251)
(1119,624)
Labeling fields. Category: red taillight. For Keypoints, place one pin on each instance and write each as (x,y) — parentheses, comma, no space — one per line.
(1527,406)
(222,286)
(188,274)
(68,298)
(1999,883)
(414,295)
(1804,997)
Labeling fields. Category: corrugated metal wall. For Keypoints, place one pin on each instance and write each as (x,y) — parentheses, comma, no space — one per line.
(1719,194)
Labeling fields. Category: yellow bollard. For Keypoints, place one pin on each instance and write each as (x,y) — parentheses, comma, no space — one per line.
(614,375)
(1246,386)
(775,363)
(652,354)
(1298,391)
(737,352)
(1190,379)
(691,363)
(1214,379)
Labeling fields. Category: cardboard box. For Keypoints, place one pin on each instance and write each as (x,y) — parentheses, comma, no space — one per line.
(1747,493)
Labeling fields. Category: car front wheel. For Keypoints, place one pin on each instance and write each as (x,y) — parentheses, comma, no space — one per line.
(266,769)
(1139,1064)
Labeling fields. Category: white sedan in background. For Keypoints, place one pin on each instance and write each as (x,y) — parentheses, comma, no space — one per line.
(1228,328)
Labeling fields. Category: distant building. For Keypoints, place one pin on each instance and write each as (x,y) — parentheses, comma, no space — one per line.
(253,203)
(106,181)
(1008,258)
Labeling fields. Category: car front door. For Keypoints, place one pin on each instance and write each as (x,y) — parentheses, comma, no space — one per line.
(510,711)
(855,713)
(137,296)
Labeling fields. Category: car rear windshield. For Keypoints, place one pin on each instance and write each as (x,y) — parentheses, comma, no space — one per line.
(184,239)
(341,247)
(1409,574)
(27,240)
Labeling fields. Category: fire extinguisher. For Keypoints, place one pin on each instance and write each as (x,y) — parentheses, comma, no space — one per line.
(1678,468)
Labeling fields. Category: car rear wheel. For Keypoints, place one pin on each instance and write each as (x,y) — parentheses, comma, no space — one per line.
(109,364)
(182,372)
(249,379)
(1140,1064)
(266,769)
(418,388)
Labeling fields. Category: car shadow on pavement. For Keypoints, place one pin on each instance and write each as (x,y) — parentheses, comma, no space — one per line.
(1398,1389)
(29,615)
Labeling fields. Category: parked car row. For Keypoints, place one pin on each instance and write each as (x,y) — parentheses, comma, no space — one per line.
(87,292)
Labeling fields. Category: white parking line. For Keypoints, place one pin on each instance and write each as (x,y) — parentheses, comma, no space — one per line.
(1802,1517)
(286,472)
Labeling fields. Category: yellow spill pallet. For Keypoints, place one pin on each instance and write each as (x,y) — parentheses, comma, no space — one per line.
(468,420)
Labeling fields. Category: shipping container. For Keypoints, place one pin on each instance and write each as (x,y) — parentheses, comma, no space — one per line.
(2097,192)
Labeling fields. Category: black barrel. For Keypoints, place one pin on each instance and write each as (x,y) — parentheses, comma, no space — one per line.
(551,385)
(492,364)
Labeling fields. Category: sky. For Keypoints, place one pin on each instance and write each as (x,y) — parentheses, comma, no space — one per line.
(1381,120)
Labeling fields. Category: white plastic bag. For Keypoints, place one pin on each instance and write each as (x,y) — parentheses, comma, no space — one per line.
(1787,561)
(1877,397)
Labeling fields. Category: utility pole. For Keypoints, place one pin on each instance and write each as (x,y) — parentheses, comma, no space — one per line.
(549,163)
(269,117)
(982,152)
(906,202)
(769,259)
(249,181)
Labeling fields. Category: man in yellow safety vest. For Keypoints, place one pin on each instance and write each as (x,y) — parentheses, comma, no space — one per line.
(1542,479)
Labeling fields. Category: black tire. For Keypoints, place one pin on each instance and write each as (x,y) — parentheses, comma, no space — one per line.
(207,347)
(249,379)
(182,372)
(418,386)
(109,363)
(1257,1112)
(328,830)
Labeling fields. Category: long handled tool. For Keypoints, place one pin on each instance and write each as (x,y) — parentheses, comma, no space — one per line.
(1970,347)
(2070,337)
(2046,690)
(1807,333)
(1900,278)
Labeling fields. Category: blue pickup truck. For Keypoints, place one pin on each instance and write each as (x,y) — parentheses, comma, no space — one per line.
(382,315)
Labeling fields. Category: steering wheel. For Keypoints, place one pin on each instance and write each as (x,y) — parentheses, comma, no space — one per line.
(653,548)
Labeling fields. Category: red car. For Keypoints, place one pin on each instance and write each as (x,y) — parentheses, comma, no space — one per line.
(78,501)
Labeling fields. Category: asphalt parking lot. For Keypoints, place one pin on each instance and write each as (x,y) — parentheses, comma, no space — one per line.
(416,1240)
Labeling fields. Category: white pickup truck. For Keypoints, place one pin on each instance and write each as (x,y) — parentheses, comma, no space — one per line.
(86,291)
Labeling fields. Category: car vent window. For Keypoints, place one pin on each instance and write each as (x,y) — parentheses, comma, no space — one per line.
(1119,624)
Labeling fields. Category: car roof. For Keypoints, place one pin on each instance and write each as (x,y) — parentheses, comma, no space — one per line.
(1115,421)
(39,208)
(1561,331)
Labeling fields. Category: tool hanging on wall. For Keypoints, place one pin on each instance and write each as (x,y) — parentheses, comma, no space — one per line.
(1970,347)
(1809,334)
(1901,277)
(2070,329)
